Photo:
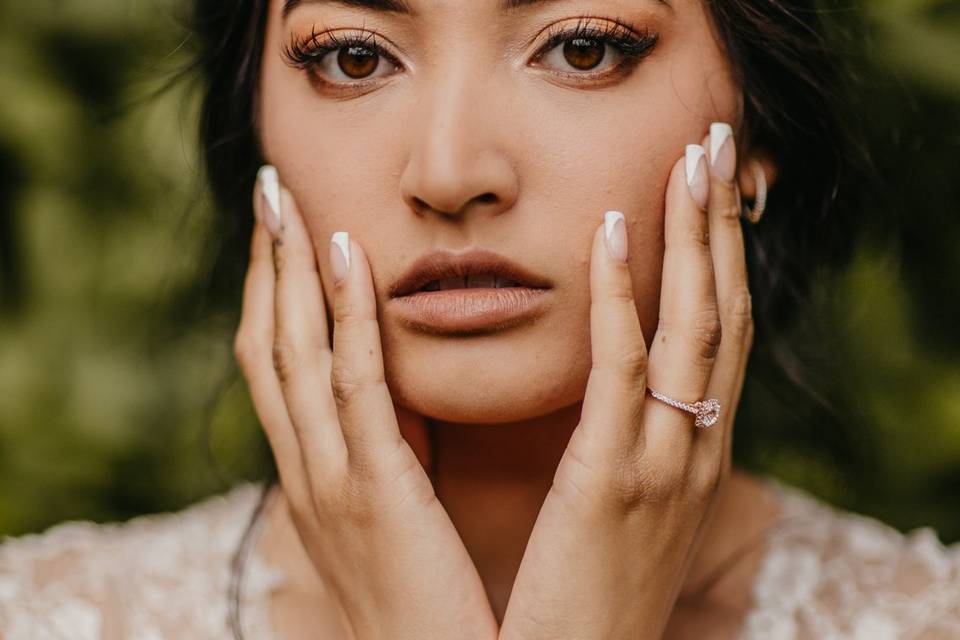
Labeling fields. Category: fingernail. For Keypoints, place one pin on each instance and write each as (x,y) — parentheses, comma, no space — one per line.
(270,188)
(723,153)
(697,178)
(340,255)
(615,230)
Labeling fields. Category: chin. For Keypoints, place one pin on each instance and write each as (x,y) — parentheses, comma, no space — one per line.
(490,379)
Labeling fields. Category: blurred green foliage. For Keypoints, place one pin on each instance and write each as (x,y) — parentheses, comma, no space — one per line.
(118,393)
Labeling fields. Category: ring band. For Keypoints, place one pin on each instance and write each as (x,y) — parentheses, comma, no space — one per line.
(707,411)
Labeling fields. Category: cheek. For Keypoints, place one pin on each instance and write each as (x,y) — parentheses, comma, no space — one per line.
(331,169)
(328,158)
(618,153)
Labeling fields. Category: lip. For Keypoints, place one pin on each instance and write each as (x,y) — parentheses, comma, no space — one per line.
(438,265)
(467,310)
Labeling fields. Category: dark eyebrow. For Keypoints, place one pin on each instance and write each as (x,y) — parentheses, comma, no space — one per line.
(385,6)
(401,7)
(507,5)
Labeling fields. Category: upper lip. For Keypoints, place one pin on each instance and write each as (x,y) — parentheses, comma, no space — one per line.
(439,265)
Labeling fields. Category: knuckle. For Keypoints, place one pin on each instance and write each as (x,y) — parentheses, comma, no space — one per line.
(352,375)
(346,312)
(741,303)
(706,332)
(248,350)
(738,314)
(344,386)
(347,384)
(621,290)
(242,349)
(633,361)
(728,212)
(286,359)
(698,235)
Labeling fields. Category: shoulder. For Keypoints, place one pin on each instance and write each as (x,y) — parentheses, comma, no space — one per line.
(141,578)
(834,573)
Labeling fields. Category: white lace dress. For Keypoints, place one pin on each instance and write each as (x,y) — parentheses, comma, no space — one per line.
(825,574)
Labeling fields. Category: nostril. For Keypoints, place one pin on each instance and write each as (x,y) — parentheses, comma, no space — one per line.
(420,206)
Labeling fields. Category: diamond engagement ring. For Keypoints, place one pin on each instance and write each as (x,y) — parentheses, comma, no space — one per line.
(707,411)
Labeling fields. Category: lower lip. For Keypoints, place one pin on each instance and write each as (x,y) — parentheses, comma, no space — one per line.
(479,310)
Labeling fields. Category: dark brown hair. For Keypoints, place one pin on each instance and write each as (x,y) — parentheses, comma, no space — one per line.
(788,59)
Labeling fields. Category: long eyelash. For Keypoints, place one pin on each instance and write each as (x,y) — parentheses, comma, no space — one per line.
(304,52)
(632,44)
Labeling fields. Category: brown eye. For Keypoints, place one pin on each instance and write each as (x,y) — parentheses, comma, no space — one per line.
(584,53)
(357,62)
(595,53)
(333,61)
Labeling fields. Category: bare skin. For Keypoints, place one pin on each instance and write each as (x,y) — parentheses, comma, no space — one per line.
(461,174)
(493,497)
(497,534)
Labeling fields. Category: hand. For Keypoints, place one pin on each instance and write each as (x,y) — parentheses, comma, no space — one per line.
(364,508)
(614,538)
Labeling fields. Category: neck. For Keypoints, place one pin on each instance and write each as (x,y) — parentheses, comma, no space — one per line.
(509,454)
(492,479)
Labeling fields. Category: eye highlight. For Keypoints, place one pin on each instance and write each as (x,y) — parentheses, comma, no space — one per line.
(586,46)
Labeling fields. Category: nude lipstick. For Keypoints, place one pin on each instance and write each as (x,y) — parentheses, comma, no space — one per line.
(477,291)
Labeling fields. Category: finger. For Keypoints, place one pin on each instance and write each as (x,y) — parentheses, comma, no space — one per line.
(253,347)
(687,337)
(366,411)
(613,402)
(735,398)
(301,350)
(733,294)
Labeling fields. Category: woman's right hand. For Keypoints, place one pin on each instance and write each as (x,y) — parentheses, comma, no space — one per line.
(365,510)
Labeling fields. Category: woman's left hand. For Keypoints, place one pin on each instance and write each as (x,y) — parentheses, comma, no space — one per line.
(615,536)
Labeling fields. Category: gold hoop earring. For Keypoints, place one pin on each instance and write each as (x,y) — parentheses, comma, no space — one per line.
(753,214)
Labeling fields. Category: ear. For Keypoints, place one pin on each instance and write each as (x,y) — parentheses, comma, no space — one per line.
(745,180)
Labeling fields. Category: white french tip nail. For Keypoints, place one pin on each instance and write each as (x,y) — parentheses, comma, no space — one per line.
(342,240)
(719,132)
(609,219)
(693,155)
(270,184)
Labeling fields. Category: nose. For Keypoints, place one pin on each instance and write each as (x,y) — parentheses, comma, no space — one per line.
(458,163)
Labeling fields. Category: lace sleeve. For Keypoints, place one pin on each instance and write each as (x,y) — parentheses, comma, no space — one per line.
(154,577)
(830,574)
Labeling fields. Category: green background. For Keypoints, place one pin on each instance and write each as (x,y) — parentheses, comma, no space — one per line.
(118,392)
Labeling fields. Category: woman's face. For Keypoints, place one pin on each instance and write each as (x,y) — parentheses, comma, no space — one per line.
(477,136)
